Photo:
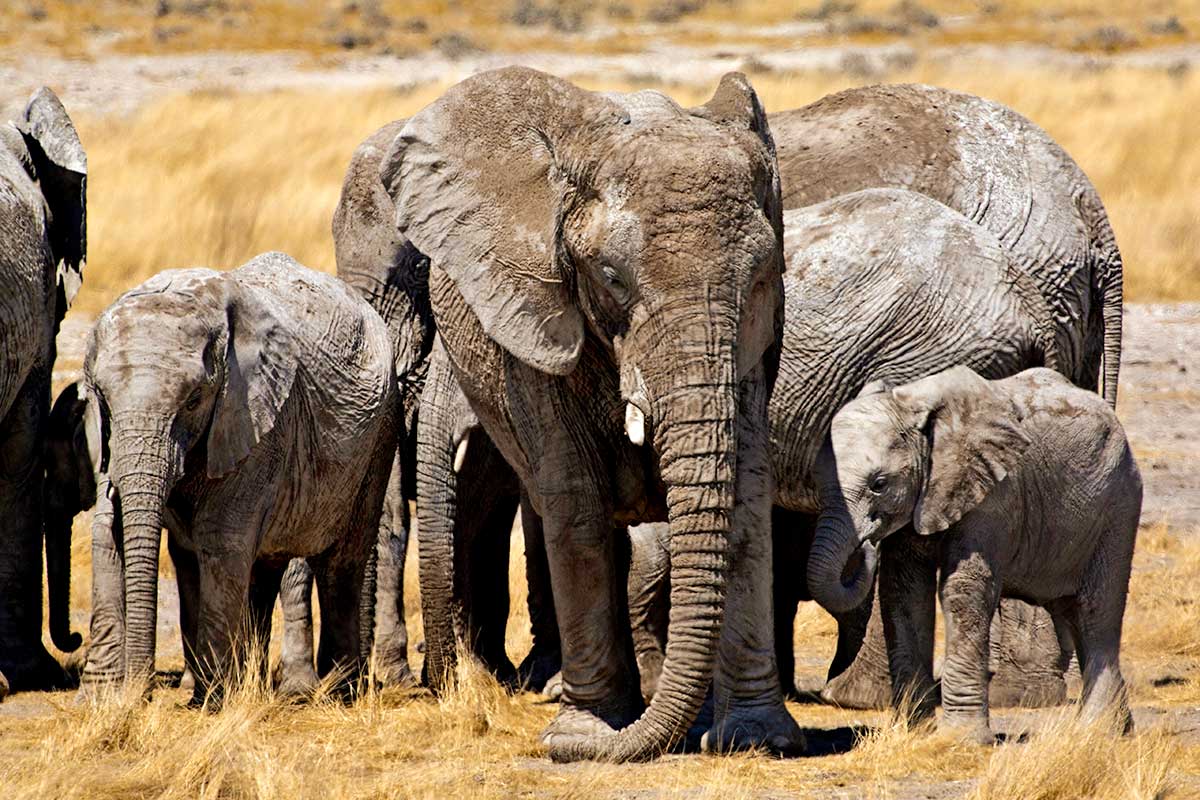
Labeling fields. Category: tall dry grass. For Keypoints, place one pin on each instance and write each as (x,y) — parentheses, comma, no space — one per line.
(213,179)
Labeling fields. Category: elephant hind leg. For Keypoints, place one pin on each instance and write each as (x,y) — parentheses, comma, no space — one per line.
(265,580)
(1099,608)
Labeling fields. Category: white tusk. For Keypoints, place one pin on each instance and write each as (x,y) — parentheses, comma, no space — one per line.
(635,424)
(460,455)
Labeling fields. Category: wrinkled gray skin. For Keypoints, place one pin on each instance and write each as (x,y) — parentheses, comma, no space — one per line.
(467,498)
(993,166)
(1023,487)
(43,244)
(390,274)
(881,284)
(595,261)
(252,413)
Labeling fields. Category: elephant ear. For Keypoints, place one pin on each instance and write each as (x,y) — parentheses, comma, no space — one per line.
(61,166)
(976,439)
(735,106)
(479,179)
(260,362)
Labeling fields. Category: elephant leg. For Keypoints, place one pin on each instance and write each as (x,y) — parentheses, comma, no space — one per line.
(649,600)
(1027,660)
(748,704)
(791,534)
(859,676)
(907,592)
(187,578)
(23,658)
(295,675)
(391,666)
(1099,610)
(487,581)
(223,599)
(970,593)
(265,580)
(600,690)
(105,665)
(545,657)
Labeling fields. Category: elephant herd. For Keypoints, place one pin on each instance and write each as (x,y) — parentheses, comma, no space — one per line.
(719,361)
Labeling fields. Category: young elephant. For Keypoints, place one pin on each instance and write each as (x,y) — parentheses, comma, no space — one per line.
(252,413)
(1030,490)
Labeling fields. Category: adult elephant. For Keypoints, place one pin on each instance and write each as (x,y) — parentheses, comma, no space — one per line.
(252,413)
(43,244)
(993,166)
(606,280)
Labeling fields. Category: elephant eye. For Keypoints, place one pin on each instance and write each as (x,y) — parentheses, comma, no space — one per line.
(193,401)
(878,484)
(612,279)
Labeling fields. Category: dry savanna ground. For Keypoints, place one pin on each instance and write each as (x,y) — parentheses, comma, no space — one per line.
(214,177)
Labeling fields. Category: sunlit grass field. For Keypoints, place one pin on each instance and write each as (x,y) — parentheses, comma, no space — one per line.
(481,742)
(214,178)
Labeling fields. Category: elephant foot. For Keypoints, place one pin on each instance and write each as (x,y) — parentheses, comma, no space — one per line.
(553,689)
(574,725)
(296,681)
(974,730)
(1014,691)
(34,670)
(3,687)
(395,673)
(856,688)
(504,672)
(538,668)
(744,727)
(187,680)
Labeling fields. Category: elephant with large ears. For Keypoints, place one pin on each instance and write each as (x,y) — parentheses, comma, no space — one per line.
(1022,487)
(881,284)
(993,166)
(43,244)
(253,414)
(605,275)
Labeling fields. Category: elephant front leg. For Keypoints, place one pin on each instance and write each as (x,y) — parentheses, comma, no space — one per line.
(748,701)
(600,691)
(391,634)
(105,664)
(969,595)
(23,658)
(221,613)
(907,591)
(187,579)
(544,660)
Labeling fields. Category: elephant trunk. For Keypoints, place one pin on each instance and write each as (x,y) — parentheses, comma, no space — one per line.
(695,436)
(835,545)
(144,466)
(58,574)
(437,486)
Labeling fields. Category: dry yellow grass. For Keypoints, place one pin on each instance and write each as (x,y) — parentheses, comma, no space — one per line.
(213,179)
(481,742)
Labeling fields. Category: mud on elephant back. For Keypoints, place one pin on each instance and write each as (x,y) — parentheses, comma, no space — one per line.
(43,245)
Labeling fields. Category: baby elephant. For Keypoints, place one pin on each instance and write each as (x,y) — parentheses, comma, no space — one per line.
(251,413)
(1026,487)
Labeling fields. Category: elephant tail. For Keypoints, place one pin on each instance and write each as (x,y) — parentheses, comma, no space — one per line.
(1108,276)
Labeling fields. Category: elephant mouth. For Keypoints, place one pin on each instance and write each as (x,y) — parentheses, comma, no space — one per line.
(865,551)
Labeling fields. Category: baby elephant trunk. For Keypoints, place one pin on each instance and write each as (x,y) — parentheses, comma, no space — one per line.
(841,569)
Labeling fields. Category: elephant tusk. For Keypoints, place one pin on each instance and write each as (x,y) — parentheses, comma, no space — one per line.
(460,454)
(635,424)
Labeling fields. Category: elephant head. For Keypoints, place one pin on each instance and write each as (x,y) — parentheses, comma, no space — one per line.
(557,214)
(191,368)
(70,488)
(54,157)
(927,453)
